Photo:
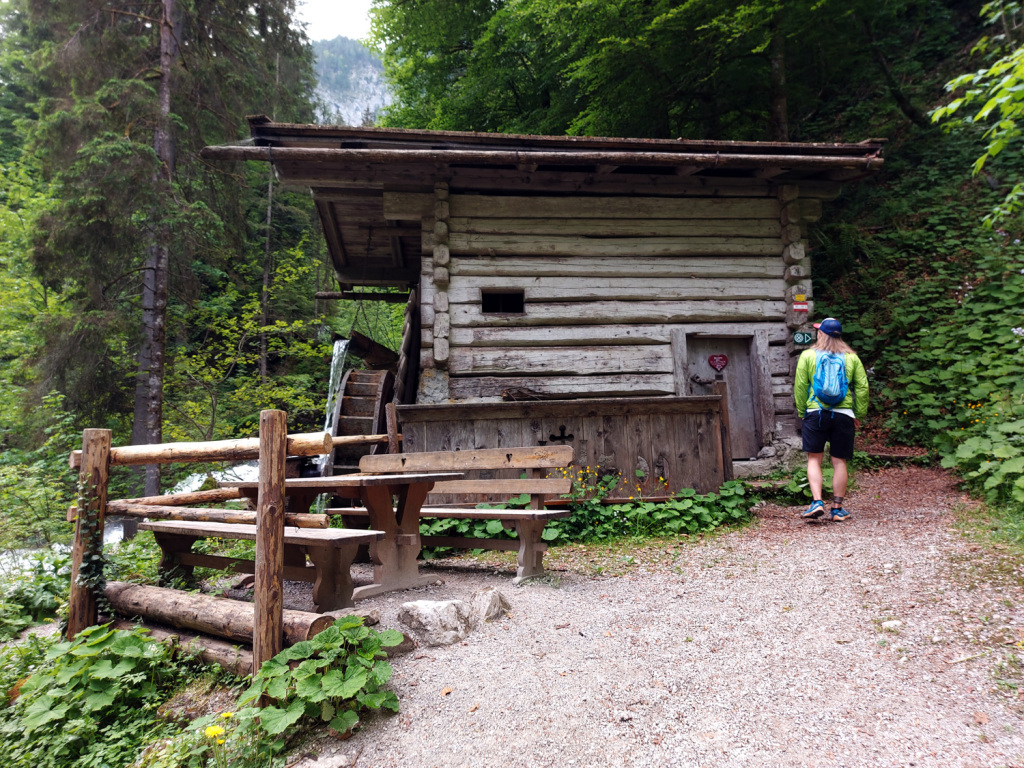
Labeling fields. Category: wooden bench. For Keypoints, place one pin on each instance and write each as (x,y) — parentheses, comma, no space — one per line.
(330,551)
(452,499)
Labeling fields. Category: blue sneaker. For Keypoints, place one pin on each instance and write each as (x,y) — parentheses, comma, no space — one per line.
(813,512)
(838,514)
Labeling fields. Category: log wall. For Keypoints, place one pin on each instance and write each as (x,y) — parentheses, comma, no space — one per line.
(605,279)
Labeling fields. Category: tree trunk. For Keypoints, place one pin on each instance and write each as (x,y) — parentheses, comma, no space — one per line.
(148,419)
(777,66)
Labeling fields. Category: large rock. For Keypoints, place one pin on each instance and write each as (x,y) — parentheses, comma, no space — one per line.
(489,604)
(438,622)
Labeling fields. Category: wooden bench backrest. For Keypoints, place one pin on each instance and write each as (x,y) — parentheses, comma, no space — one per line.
(484,460)
(541,457)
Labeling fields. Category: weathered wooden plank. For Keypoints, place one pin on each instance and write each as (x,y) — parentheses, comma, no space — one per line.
(580,245)
(779,360)
(615,406)
(784,403)
(642,227)
(760,365)
(599,312)
(405,206)
(546,289)
(596,335)
(547,486)
(491,433)
(541,361)
(782,385)
(317,537)
(337,177)
(614,266)
(191,514)
(560,336)
(568,386)
(488,458)
(680,362)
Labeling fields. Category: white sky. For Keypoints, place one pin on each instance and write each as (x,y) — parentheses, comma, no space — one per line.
(326,19)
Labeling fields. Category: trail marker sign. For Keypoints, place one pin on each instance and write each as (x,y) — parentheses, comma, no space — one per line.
(803,337)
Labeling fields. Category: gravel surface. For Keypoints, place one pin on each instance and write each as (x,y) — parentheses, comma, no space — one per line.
(767,646)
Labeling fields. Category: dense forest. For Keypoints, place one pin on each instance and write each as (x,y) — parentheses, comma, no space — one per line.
(147,291)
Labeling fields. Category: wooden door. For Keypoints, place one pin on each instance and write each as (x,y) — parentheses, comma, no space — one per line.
(738,376)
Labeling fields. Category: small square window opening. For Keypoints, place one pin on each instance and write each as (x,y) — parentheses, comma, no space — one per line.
(503,302)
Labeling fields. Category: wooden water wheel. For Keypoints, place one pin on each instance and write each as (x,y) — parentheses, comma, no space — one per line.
(360,411)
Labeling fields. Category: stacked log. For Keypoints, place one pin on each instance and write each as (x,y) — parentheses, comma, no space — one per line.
(217,616)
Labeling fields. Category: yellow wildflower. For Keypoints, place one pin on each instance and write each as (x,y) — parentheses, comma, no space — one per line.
(212,731)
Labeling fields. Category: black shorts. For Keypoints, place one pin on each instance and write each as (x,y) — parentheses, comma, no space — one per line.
(820,427)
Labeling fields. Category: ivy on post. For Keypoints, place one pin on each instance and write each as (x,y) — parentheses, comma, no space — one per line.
(87,552)
(267,639)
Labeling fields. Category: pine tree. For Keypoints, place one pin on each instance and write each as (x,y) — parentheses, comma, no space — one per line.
(124,97)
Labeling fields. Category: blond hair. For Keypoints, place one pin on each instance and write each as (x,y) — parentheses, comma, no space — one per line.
(828,343)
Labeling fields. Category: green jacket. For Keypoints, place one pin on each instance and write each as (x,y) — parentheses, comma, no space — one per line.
(856,398)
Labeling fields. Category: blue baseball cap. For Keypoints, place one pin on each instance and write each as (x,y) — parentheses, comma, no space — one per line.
(830,326)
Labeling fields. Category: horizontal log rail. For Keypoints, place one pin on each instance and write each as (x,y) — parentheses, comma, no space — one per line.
(361,439)
(187,498)
(239,516)
(867,162)
(310,444)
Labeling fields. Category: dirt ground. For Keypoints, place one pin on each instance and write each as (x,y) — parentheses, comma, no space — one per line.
(891,639)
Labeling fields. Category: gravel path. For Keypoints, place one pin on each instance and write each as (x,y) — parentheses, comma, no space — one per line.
(758,647)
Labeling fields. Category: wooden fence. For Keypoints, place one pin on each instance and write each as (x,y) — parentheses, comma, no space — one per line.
(672,442)
(265,619)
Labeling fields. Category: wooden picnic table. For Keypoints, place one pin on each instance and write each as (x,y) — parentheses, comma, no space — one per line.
(393,502)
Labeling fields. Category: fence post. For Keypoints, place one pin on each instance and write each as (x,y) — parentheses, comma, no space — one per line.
(87,551)
(267,639)
(721,388)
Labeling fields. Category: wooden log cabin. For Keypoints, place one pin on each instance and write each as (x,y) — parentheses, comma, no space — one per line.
(579,290)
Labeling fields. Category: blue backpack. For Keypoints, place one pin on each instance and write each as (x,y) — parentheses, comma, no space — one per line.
(830,384)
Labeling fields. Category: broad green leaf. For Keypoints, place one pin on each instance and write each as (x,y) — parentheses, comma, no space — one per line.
(276,721)
(345,722)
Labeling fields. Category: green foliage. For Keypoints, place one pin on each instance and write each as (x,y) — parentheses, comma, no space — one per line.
(999,90)
(687,512)
(37,486)
(330,678)
(93,702)
(661,68)
(962,392)
(594,519)
(89,702)
(135,560)
(33,592)
(214,390)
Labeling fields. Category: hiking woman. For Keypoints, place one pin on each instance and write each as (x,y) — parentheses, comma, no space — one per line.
(831,393)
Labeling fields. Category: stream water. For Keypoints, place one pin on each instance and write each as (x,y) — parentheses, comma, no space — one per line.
(333,393)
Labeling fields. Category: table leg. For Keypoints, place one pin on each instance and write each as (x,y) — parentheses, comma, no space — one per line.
(531,549)
(333,586)
(394,556)
(170,545)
